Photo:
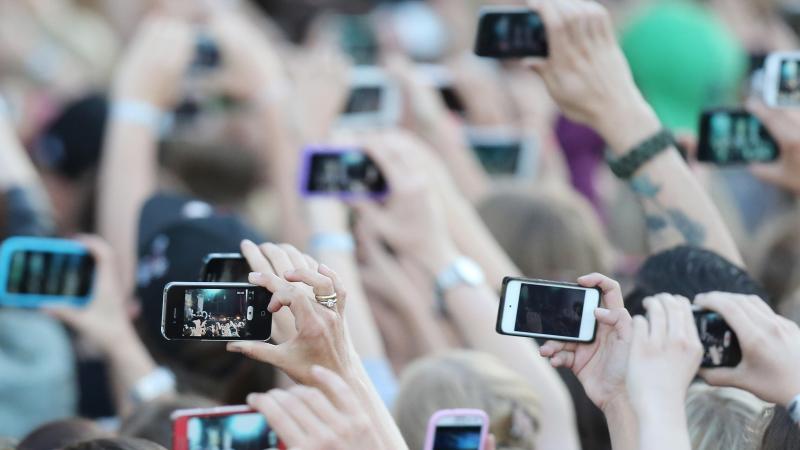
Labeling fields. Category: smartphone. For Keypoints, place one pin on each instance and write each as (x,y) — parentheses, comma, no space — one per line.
(734,136)
(547,310)
(510,32)
(341,172)
(441,79)
(216,312)
(37,271)
(225,427)
(225,268)
(374,100)
(782,79)
(503,152)
(720,345)
(206,53)
(457,429)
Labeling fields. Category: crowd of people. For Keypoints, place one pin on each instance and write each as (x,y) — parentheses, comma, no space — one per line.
(156,132)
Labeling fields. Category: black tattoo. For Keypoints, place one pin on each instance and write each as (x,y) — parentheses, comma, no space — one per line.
(662,218)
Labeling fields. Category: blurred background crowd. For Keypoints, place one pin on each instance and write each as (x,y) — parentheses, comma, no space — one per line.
(243,86)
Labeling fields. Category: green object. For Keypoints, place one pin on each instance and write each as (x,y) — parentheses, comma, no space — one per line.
(625,166)
(684,60)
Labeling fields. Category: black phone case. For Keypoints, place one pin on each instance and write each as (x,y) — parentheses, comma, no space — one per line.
(501,306)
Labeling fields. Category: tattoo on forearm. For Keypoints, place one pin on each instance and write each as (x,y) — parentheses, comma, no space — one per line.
(660,218)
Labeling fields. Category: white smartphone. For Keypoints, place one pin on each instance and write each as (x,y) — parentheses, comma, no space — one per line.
(457,429)
(548,310)
(504,152)
(782,79)
(374,100)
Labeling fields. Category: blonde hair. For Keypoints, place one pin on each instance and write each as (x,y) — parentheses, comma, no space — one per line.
(553,234)
(468,379)
(722,418)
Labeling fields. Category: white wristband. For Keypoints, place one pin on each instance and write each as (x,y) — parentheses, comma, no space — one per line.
(794,409)
(153,385)
(141,113)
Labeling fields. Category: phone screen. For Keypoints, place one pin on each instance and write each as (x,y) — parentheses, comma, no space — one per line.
(720,345)
(736,136)
(511,34)
(346,172)
(457,437)
(364,100)
(789,83)
(550,310)
(217,313)
(37,272)
(225,269)
(248,431)
(501,158)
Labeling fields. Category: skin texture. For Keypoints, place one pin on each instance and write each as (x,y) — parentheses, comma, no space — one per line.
(784,125)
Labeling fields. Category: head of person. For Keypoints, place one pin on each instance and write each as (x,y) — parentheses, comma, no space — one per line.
(780,431)
(683,59)
(120,443)
(62,433)
(722,418)
(468,379)
(551,235)
(689,271)
(777,264)
(175,235)
(67,153)
(151,420)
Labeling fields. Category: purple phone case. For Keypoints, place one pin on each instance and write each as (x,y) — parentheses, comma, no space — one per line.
(455,412)
(305,174)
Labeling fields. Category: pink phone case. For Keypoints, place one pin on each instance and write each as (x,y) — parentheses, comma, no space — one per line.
(456,412)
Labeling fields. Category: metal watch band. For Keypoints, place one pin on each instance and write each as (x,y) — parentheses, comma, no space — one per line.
(794,409)
(625,166)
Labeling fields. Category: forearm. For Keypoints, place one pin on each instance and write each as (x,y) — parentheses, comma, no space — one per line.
(678,210)
(463,166)
(129,363)
(473,309)
(662,426)
(128,176)
(622,425)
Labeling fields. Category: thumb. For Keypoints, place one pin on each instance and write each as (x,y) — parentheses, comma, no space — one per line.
(490,443)
(723,376)
(259,351)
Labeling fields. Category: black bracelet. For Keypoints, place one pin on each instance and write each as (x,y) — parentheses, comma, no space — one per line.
(625,166)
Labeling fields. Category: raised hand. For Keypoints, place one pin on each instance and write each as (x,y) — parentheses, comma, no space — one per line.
(784,125)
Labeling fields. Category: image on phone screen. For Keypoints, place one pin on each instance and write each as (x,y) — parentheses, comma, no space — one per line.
(549,310)
(225,268)
(457,437)
(510,34)
(194,311)
(789,83)
(734,137)
(720,345)
(348,172)
(37,272)
(501,158)
(247,431)
(364,100)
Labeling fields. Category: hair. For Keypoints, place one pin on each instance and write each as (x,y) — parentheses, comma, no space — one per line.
(689,271)
(553,235)
(122,443)
(61,433)
(151,420)
(722,418)
(780,431)
(777,264)
(592,424)
(468,379)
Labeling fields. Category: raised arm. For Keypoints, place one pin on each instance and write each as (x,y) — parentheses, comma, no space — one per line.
(587,75)
(146,85)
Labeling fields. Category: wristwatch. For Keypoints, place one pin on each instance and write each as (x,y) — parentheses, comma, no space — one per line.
(461,271)
(158,382)
(794,409)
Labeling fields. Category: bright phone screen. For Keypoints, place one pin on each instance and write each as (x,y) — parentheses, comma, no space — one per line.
(729,137)
(457,437)
(350,172)
(222,313)
(789,83)
(236,432)
(549,310)
(47,273)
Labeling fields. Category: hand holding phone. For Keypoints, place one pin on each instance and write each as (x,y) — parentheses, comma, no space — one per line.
(230,427)
(457,429)
(734,136)
(548,310)
(510,32)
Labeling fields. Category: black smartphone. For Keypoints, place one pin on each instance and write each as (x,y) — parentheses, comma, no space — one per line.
(216,312)
(510,32)
(345,173)
(206,53)
(225,268)
(734,136)
(720,345)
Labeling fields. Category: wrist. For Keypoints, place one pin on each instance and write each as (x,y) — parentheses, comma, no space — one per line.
(437,258)
(627,125)
(616,406)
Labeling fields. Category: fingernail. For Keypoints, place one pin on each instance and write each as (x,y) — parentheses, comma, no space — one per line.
(289,273)
(234,347)
(324,267)
(602,312)
(254,276)
(247,242)
(317,371)
(252,398)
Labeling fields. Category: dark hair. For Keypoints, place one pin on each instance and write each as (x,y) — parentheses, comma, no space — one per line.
(781,433)
(689,271)
(151,420)
(61,433)
(123,443)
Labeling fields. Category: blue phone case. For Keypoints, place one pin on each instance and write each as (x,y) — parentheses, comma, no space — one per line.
(50,245)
